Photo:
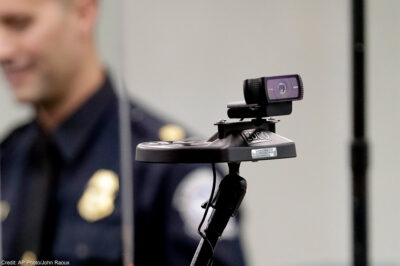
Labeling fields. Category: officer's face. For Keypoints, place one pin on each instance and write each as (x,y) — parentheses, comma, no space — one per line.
(39,47)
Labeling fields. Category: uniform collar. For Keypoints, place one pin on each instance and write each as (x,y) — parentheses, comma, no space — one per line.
(71,137)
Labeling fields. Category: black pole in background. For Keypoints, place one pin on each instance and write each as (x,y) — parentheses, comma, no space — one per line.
(359,149)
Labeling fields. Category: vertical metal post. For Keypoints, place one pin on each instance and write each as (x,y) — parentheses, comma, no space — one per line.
(231,192)
(359,149)
(126,161)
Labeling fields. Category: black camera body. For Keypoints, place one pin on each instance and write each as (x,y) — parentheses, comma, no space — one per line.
(268,96)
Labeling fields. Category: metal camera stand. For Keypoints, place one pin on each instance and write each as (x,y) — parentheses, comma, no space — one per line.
(226,204)
(233,143)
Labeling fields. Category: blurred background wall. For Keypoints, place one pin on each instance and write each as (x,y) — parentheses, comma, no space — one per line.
(187,60)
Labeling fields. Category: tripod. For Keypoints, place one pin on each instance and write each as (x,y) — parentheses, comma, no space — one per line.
(233,143)
(227,202)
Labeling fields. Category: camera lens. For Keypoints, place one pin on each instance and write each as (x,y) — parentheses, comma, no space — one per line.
(267,90)
(282,88)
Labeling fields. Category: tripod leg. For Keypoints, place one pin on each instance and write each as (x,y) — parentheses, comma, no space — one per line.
(230,194)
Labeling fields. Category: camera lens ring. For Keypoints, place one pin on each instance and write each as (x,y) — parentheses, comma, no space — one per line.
(282,88)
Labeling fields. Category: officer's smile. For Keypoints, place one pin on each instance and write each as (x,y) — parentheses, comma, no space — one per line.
(16,73)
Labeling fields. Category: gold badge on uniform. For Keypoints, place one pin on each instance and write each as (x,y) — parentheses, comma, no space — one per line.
(5,210)
(97,202)
(171,133)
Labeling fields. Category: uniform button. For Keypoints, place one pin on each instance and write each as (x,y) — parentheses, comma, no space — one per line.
(5,210)
(171,133)
(28,258)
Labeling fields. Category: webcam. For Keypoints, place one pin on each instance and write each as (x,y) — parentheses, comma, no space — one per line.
(267,96)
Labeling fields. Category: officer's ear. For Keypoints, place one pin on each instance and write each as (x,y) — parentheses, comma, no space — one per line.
(85,12)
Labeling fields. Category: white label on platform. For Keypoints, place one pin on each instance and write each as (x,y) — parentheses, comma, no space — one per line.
(264,153)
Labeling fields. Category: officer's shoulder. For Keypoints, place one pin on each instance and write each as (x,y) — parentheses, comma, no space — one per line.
(14,137)
(149,126)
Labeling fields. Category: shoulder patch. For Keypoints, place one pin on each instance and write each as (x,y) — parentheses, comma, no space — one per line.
(97,202)
(190,194)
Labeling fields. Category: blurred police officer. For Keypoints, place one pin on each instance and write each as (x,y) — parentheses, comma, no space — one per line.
(60,172)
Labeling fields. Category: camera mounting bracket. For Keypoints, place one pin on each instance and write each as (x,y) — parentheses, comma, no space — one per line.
(243,110)
(234,142)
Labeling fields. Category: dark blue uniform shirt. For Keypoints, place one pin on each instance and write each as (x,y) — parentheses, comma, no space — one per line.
(82,223)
